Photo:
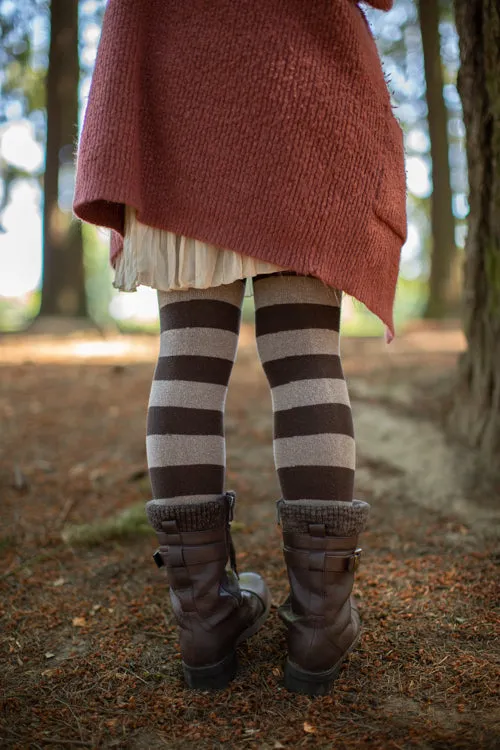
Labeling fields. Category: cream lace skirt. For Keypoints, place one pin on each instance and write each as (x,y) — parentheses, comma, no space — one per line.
(167,261)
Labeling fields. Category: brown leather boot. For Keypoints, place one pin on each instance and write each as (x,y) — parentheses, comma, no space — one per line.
(321,552)
(215,609)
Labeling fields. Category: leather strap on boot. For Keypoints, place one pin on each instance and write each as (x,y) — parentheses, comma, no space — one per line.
(316,551)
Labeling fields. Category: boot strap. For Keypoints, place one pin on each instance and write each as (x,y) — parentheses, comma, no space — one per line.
(295,540)
(195,547)
(171,535)
(180,555)
(322,561)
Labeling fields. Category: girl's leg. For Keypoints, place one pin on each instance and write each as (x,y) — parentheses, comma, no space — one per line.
(186,457)
(185,424)
(297,323)
(297,328)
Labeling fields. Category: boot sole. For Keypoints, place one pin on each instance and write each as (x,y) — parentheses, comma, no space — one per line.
(218,676)
(213,677)
(298,680)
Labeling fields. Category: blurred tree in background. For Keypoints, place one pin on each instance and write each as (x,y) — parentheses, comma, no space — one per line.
(442,295)
(63,289)
(419,48)
(43,51)
(477,412)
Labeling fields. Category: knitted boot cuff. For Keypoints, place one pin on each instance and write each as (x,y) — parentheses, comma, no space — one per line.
(191,515)
(340,518)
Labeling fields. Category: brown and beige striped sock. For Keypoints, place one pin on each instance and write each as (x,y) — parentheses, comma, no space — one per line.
(185,441)
(297,328)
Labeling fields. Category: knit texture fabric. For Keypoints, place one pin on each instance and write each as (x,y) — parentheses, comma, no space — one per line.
(340,519)
(260,126)
(381,4)
(194,515)
(297,321)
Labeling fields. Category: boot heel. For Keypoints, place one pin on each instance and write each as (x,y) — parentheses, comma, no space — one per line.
(213,677)
(298,680)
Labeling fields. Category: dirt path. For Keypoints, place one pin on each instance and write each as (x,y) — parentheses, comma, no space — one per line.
(89,648)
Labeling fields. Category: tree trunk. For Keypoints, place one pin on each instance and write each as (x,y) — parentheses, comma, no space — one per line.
(443,223)
(476,416)
(63,288)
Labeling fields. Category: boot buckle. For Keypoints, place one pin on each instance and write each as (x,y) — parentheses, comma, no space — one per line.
(158,558)
(354,560)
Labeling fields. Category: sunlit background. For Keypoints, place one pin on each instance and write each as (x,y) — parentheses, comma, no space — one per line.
(22,137)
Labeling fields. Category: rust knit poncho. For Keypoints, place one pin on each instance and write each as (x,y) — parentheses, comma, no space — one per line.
(261,126)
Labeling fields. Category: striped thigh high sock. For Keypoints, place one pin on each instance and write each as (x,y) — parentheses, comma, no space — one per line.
(185,442)
(297,328)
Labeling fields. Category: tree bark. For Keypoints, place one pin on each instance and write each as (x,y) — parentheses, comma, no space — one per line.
(476,416)
(443,222)
(63,287)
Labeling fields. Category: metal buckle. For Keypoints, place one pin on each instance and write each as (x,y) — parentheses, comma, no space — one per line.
(158,558)
(354,560)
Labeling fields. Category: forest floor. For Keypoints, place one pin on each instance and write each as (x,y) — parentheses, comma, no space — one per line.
(88,644)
